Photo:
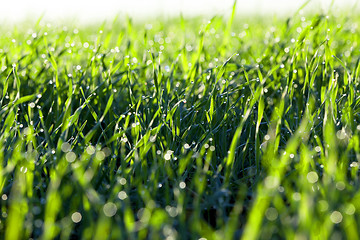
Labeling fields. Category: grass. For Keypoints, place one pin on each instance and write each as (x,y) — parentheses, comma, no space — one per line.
(182,129)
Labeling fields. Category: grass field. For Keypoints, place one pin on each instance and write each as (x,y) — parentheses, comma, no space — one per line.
(181,129)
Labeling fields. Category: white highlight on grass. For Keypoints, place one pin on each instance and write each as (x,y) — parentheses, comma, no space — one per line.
(23,169)
(354,164)
(92,10)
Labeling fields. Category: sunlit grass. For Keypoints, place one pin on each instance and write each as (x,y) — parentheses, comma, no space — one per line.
(181,129)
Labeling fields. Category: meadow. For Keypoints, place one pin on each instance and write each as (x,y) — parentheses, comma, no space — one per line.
(224,128)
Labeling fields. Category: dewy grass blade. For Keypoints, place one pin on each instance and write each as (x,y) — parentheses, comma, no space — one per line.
(260,112)
(148,130)
(17,81)
(6,85)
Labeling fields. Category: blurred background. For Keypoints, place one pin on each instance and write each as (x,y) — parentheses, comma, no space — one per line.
(93,10)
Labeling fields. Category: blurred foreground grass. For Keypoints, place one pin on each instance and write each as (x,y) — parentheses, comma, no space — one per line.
(184,129)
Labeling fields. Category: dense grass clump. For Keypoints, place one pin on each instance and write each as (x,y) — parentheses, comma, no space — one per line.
(181,129)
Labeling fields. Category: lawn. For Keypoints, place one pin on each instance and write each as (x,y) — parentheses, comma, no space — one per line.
(186,128)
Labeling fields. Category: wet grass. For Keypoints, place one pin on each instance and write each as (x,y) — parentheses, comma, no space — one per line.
(185,129)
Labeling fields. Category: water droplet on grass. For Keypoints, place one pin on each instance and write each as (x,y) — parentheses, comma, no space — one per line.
(312,177)
(109,209)
(122,181)
(90,150)
(38,223)
(100,155)
(296,196)
(172,211)
(76,217)
(271,214)
(122,195)
(340,186)
(336,217)
(350,209)
(167,157)
(4,197)
(65,147)
(182,185)
(70,157)
(323,205)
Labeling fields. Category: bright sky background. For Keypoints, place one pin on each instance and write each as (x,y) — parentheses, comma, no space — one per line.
(85,10)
